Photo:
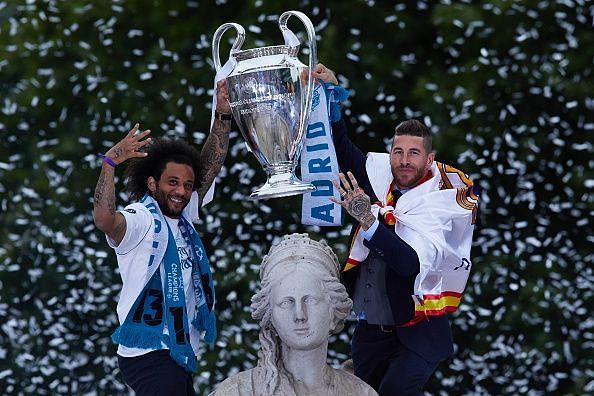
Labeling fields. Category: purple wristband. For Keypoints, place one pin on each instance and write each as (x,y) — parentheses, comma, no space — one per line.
(107,160)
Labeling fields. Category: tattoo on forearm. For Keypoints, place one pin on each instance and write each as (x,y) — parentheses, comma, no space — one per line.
(104,194)
(213,154)
(111,203)
(100,189)
(367,221)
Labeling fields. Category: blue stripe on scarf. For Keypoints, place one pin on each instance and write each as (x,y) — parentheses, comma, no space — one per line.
(205,319)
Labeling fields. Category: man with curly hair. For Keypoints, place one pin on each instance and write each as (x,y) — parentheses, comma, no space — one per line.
(167,296)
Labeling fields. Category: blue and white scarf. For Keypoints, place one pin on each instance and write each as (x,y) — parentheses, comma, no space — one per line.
(319,164)
(143,327)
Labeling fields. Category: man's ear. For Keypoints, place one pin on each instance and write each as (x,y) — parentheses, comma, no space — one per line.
(151,183)
(430,159)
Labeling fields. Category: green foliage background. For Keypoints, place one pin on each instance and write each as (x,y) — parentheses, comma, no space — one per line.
(506,86)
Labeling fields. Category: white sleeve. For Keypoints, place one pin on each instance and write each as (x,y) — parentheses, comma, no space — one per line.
(138,224)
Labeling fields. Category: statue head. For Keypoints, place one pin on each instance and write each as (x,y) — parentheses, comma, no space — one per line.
(301,301)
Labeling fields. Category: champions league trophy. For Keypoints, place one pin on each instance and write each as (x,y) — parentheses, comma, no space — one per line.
(270,92)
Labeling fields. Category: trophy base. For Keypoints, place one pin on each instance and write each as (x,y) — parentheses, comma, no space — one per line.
(281,185)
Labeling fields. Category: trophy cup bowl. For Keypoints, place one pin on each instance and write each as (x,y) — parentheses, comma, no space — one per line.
(270,93)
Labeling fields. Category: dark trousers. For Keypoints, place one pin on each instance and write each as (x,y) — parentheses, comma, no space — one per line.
(380,359)
(156,374)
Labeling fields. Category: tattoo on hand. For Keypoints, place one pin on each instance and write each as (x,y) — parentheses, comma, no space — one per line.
(354,200)
(360,208)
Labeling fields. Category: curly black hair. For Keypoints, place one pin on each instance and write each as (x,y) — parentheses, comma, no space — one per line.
(160,152)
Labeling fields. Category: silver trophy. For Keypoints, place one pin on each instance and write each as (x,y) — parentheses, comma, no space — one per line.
(270,92)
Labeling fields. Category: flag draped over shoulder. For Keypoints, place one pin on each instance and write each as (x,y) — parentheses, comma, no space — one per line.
(436,218)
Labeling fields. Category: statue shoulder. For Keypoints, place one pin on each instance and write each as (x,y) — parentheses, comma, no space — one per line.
(241,384)
(348,384)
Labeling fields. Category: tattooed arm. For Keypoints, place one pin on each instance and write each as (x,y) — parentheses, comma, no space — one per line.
(354,200)
(106,218)
(214,150)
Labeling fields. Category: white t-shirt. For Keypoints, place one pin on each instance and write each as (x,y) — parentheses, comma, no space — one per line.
(132,254)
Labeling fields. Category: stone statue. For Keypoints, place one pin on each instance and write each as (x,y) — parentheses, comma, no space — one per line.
(301,302)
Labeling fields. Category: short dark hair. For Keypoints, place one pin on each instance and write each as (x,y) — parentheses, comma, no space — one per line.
(414,127)
(160,151)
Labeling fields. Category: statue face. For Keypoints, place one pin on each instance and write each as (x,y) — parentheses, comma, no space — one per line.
(300,312)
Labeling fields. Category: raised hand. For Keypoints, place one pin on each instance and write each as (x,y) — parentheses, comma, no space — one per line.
(354,200)
(106,219)
(128,147)
(323,73)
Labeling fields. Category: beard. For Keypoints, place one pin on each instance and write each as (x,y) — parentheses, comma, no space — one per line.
(410,178)
(161,198)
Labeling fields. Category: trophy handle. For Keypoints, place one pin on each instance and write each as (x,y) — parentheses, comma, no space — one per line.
(313,60)
(311,37)
(217,39)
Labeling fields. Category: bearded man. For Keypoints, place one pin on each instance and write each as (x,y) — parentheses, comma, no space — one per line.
(409,256)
